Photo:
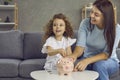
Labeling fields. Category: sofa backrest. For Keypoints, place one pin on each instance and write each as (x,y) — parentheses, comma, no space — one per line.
(15,44)
(11,44)
(33,44)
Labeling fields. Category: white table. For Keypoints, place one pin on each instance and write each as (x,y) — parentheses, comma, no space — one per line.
(44,75)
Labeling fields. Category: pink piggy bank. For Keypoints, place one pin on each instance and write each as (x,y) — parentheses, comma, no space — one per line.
(65,66)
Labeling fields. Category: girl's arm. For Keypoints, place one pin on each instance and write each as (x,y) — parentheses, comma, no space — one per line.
(52,51)
(68,51)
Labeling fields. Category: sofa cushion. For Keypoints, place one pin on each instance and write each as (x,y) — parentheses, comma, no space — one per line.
(32,45)
(27,66)
(9,67)
(11,44)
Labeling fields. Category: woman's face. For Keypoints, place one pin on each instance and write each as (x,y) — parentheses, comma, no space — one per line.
(58,27)
(96,16)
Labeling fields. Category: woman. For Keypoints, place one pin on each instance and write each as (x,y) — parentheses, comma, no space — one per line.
(98,38)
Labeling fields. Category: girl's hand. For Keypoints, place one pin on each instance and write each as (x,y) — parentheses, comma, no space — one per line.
(62,52)
(81,65)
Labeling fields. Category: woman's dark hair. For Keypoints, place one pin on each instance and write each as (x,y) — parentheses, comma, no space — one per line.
(106,7)
(49,27)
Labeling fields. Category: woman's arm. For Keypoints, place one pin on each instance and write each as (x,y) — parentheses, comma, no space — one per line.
(81,65)
(98,57)
(52,51)
(77,52)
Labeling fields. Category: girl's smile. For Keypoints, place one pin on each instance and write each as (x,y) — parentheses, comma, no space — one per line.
(58,30)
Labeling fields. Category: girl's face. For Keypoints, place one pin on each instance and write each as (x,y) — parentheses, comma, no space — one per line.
(96,17)
(58,27)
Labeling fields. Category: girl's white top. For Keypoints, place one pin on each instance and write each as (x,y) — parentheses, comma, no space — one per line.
(52,42)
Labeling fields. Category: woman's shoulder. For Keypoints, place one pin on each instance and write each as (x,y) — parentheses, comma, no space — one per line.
(86,21)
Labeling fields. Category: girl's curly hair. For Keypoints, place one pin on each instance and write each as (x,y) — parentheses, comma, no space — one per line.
(49,27)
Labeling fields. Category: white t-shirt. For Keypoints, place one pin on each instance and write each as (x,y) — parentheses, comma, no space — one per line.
(52,42)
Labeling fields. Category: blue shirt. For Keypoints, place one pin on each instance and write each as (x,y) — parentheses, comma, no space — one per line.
(94,42)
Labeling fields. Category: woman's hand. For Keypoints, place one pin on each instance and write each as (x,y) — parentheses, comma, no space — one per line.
(73,56)
(81,65)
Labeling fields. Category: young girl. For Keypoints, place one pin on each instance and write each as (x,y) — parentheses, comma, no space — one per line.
(58,38)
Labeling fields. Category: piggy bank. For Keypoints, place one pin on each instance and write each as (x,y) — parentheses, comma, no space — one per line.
(65,66)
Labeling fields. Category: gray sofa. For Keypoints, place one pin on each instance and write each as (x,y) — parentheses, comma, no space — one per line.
(20,54)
